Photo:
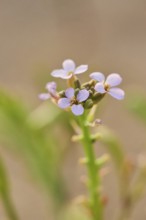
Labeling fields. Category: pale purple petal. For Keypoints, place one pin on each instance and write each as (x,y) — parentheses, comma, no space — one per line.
(44,96)
(77,109)
(82,95)
(51,86)
(117,93)
(64,103)
(98,76)
(60,73)
(81,69)
(99,87)
(69,65)
(113,79)
(70,93)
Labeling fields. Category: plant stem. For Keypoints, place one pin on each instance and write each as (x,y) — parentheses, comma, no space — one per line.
(93,172)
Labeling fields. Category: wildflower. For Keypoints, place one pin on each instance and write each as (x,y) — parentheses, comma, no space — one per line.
(108,85)
(69,69)
(74,101)
(51,87)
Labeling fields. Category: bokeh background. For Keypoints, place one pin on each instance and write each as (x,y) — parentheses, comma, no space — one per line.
(36,36)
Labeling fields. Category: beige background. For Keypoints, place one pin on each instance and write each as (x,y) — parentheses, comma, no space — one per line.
(38,34)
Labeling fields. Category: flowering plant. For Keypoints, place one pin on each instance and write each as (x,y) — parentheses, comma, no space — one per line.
(82,100)
(39,147)
(82,96)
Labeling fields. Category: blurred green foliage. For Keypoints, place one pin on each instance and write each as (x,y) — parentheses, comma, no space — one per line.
(74,212)
(137,105)
(30,134)
(26,134)
(5,193)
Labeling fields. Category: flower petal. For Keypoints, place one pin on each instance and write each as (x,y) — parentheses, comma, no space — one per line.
(82,95)
(77,109)
(117,93)
(98,76)
(64,103)
(81,69)
(99,87)
(60,73)
(113,79)
(44,96)
(51,86)
(69,65)
(69,93)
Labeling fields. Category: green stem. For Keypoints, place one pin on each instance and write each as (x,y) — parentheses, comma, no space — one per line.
(93,172)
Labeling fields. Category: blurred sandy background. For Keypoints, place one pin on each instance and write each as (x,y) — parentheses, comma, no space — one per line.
(110,36)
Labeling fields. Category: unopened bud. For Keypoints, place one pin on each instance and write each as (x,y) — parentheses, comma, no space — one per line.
(90,92)
(86,85)
(92,82)
(77,83)
(61,94)
(77,91)
(88,104)
(97,97)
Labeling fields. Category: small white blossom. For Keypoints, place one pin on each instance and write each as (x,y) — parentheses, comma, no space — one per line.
(75,102)
(69,69)
(108,85)
(52,93)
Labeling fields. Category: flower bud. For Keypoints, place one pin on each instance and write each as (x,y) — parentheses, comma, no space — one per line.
(86,85)
(90,92)
(97,97)
(61,94)
(92,82)
(77,91)
(88,104)
(77,83)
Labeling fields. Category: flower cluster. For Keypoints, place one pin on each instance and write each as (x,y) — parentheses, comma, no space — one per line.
(79,97)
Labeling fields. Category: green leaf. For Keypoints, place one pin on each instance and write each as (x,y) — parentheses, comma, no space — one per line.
(33,143)
(5,193)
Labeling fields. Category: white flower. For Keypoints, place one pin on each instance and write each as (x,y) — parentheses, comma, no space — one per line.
(51,87)
(69,69)
(74,102)
(108,85)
